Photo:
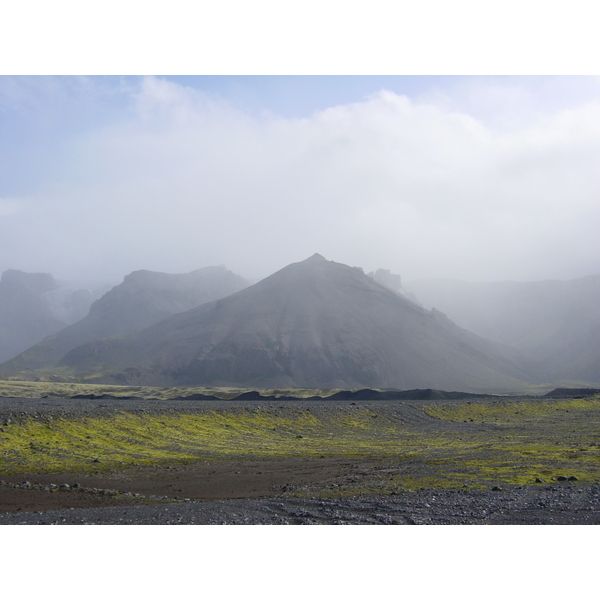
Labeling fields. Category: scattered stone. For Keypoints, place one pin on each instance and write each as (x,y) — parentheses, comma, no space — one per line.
(562,478)
(539,480)
(573,478)
(496,489)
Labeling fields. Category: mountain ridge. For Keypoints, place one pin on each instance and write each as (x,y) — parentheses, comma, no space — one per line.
(313,324)
(142,299)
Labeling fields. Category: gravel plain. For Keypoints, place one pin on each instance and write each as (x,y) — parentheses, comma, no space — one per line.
(562,502)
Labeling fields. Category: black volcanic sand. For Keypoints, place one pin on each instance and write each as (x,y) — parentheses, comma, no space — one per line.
(269,491)
(559,504)
(254,493)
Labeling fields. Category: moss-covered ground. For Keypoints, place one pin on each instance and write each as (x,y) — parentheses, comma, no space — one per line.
(476,444)
(519,442)
(37,389)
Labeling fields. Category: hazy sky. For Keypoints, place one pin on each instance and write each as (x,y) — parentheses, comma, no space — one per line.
(478,178)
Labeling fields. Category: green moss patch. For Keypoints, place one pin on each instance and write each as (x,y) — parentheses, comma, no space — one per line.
(512,443)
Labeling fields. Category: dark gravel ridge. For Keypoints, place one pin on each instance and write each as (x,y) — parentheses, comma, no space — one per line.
(106,404)
(569,504)
(76,406)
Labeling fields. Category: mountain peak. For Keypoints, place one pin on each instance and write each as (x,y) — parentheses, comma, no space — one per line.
(316,257)
(313,324)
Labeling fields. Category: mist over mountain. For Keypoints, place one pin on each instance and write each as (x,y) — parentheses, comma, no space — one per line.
(474,178)
(71,302)
(388,279)
(555,324)
(142,299)
(315,323)
(35,305)
(392,281)
(25,317)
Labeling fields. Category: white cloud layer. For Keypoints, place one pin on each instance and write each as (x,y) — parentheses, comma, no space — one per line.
(477,185)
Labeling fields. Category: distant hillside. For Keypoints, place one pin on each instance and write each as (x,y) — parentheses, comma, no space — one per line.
(313,324)
(555,324)
(144,298)
(71,302)
(25,316)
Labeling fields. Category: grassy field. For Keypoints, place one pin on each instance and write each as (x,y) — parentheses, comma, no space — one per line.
(478,444)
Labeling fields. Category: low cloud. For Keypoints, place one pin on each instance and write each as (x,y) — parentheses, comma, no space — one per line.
(179,180)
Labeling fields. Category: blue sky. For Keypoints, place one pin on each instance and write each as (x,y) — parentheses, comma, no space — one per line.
(39,116)
(477,178)
(300,96)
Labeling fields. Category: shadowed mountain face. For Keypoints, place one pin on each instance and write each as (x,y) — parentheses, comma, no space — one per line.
(25,316)
(555,324)
(315,324)
(144,298)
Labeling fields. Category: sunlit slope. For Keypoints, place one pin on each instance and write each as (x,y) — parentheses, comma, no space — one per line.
(143,299)
(313,324)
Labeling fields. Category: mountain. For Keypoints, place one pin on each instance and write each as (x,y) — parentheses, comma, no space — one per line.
(142,299)
(555,324)
(388,279)
(25,316)
(315,324)
(392,281)
(35,305)
(71,302)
